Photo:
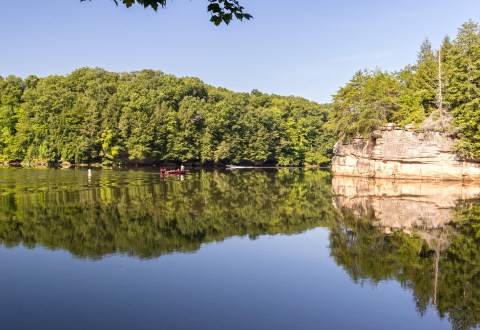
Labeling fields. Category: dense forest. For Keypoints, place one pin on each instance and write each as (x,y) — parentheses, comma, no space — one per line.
(148,117)
(441,92)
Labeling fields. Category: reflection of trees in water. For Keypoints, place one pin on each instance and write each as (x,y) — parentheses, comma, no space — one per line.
(441,266)
(148,218)
(141,216)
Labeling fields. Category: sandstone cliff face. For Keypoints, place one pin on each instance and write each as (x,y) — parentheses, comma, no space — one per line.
(403,154)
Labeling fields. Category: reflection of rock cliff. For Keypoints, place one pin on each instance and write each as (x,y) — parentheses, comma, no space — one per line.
(439,264)
(402,205)
(403,154)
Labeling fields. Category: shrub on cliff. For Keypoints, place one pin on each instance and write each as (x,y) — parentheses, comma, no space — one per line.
(366,103)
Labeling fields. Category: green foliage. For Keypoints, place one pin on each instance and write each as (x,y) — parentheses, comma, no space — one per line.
(418,96)
(11,90)
(149,117)
(220,10)
(366,103)
(464,87)
(412,95)
(226,10)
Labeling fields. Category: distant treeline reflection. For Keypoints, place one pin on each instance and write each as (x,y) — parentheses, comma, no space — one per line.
(146,217)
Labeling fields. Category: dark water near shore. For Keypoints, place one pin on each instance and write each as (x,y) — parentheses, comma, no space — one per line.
(240,249)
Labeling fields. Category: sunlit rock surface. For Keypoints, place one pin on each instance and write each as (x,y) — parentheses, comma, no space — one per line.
(403,154)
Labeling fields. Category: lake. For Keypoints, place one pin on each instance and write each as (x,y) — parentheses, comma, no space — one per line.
(238,249)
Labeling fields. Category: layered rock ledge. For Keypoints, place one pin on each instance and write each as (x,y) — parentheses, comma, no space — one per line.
(403,154)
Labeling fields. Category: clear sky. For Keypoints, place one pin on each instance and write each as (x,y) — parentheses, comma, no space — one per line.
(306,48)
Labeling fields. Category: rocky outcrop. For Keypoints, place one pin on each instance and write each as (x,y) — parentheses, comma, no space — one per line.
(403,154)
(402,205)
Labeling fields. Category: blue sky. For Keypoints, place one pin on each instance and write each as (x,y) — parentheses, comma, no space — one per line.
(307,48)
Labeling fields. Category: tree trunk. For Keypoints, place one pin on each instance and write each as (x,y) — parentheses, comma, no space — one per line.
(440,96)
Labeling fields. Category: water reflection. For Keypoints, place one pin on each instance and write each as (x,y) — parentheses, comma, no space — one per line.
(403,205)
(425,235)
(146,215)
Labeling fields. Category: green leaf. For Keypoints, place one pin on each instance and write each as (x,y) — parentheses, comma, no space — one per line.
(128,3)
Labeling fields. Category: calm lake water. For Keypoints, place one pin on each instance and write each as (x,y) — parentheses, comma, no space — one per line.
(240,249)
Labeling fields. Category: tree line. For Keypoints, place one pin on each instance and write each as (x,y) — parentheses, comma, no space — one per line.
(439,92)
(148,117)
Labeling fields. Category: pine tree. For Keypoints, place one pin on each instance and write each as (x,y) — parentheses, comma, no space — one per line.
(425,81)
(464,87)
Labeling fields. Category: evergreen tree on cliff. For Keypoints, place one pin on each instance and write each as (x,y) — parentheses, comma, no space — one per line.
(463,91)
(443,80)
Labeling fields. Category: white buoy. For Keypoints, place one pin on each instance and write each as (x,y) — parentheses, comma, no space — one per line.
(89,173)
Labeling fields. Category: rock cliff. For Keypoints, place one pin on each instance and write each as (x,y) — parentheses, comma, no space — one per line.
(403,154)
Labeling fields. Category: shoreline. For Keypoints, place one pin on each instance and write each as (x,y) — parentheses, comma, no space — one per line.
(166,165)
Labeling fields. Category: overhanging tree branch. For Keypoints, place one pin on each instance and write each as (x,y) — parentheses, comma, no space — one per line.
(221,10)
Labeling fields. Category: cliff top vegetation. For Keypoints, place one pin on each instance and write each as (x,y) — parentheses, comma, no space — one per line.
(441,91)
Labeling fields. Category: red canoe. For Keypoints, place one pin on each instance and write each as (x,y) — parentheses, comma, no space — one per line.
(175,171)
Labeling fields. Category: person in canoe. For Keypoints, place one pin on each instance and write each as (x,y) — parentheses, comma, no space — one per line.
(177,171)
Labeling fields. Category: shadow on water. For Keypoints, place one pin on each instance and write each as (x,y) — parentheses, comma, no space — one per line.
(425,235)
